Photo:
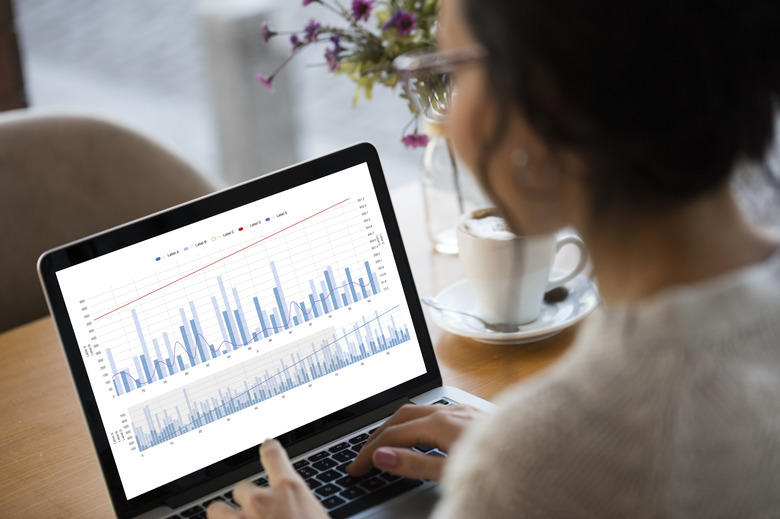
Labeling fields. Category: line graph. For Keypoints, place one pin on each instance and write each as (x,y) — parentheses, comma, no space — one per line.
(219,260)
(233,390)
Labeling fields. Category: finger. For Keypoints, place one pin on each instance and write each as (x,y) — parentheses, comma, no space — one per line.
(274,459)
(404,414)
(408,463)
(407,434)
(438,427)
(247,495)
(221,510)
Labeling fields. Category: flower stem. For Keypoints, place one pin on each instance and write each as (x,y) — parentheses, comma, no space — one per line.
(456,177)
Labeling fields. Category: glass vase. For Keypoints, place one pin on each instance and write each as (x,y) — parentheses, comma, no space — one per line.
(448,188)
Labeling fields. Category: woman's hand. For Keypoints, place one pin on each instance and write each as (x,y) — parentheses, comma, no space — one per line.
(287,497)
(390,446)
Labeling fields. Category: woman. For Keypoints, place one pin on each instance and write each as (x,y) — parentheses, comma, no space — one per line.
(625,121)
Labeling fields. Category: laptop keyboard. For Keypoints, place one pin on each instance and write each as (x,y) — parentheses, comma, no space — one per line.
(325,472)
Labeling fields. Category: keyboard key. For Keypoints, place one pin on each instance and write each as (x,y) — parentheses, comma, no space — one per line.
(423,448)
(345,455)
(389,477)
(328,476)
(358,446)
(441,402)
(327,490)
(229,495)
(261,482)
(324,464)
(300,463)
(360,438)
(339,447)
(372,431)
(332,502)
(306,472)
(206,504)
(313,483)
(352,493)
(343,467)
(319,456)
(348,481)
(191,511)
(372,484)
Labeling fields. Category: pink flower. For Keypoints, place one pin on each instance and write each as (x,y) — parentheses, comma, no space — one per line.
(361,9)
(403,22)
(312,31)
(415,140)
(295,42)
(332,59)
(266,32)
(266,81)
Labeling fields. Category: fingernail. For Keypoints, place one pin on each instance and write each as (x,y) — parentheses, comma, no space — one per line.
(385,458)
(266,442)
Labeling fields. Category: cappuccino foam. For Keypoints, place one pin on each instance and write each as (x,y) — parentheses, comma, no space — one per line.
(491,227)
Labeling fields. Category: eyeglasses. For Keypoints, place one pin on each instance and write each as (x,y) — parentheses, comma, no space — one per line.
(427,75)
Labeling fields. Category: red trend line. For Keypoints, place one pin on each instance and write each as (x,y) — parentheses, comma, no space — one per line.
(220,259)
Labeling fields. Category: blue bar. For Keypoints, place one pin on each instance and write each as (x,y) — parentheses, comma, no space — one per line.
(124,381)
(303,310)
(240,313)
(351,285)
(273,324)
(344,298)
(324,303)
(363,287)
(244,342)
(228,319)
(230,330)
(181,363)
(146,369)
(156,362)
(191,356)
(218,315)
(370,278)
(171,365)
(198,327)
(313,306)
(260,316)
(170,351)
(282,309)
(295,320)
(141,338)
(331,293)
(280,297)
(198,341)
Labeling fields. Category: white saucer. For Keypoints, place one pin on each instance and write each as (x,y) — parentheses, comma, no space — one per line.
(555,317)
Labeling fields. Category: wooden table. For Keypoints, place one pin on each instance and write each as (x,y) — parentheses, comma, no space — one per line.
(48,467)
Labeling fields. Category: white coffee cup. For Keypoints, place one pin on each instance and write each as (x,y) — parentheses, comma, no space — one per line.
(509,274)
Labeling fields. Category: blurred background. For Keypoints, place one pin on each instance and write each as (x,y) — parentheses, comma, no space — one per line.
(183,72)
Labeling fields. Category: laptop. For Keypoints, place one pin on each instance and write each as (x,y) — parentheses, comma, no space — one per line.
(281,307)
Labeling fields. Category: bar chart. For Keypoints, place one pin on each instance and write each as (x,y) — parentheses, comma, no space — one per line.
(297,363)
(241,322)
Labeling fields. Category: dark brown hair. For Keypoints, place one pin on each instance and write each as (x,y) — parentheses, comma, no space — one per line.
(661,97)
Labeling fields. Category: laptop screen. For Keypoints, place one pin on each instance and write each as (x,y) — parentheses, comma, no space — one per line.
(201,341)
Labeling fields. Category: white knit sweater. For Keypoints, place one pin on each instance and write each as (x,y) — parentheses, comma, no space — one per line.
(667,409)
